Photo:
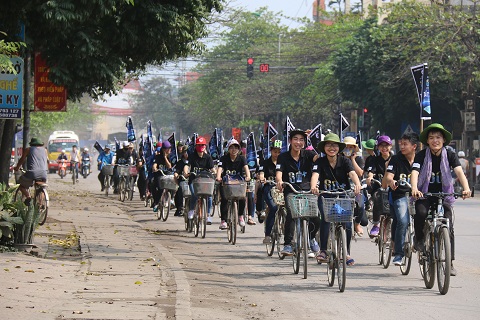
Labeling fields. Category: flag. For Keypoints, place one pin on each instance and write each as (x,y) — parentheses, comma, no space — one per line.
(173,154)
(422,84)
(98,147)
(375,149)
(213,146)
(149,130)
(315,136)
(191,145)
(159,137)
(117,144)
(358,139)
(288,127)
(130,130)
(219,142)
(270,134)
(251,152)
(343,123)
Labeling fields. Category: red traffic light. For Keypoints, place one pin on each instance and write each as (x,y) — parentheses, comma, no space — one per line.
(365,110)
(250,61)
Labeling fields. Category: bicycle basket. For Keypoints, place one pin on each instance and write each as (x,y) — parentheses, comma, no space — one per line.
(123,171)
(185,189)
(167,182)
(338,209)
(203,186)
(278,197)
(303,205)
(237,190)
(133,170)
(107,170)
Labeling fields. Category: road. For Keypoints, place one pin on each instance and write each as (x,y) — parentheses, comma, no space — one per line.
(132,266)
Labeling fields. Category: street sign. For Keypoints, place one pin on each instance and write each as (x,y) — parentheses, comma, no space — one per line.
(11,91)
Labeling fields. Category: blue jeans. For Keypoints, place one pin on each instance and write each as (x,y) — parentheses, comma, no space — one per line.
(194,198)
(400,223)
(267,197)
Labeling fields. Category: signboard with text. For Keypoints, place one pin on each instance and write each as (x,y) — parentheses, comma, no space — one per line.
(11,91)
(48,96)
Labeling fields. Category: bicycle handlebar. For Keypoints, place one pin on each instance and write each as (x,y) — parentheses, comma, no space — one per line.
(294,190)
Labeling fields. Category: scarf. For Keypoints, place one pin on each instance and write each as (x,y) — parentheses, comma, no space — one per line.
(426,173)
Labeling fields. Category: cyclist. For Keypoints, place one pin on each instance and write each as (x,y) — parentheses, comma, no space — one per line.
(431,173)
(198,161)
(122,157)
(234,163)
(142,173)
(376,169)
(295,166)
(369,147)
(75,159)
(351,152)
(37,167)
(333,172)
(161,162)
(105,157)
(266,171)
(399,169)
(179,167)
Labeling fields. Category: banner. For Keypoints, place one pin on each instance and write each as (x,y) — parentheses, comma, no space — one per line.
(173,154)
(213,146)
(422,84)
(130,130)
(315,136)
(191,145)
(48,96)
(270,134)
(149,130)
(220,142)
(98,147)
(251,152)
(237,134)
(11,90)
(286,131)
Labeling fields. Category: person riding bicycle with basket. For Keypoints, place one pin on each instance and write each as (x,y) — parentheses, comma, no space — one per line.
(198,161)
(105,157)
(431,172)
(295,166)
(161,162)
(122,157)
(234,163)
(182,161)
(333,172)
(399,169)
(37,167)
(376,169)
(266,171)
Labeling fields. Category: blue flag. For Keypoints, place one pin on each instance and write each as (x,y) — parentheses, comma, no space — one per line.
(251,152)
(286,132)
(213,146)
(315,136)
(117,144)
(98,147)
(130,130)
(173,154)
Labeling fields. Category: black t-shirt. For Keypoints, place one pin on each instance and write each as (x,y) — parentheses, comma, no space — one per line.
(160,161)
(180,165)
(289,168)
(122,156)
(436,178)
(401,169)
(368,163)
(197,163)
(377,167)
(333,178)
(268,168)
(234,167)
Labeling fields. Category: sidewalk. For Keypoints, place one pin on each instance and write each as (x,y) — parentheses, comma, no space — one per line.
(115,272)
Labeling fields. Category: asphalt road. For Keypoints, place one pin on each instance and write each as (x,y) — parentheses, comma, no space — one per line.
(211,279)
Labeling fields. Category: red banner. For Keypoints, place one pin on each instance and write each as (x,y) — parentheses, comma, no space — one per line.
(237,134)
(48,96)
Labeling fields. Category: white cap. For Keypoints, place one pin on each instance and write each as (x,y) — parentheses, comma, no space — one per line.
(126,144)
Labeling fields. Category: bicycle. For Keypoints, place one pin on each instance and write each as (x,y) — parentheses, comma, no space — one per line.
(186,192)
(437,245)
(303,205)
(338,211)
(203,186)
(168,184)
(235,189)
(279,223)
(39,195)
(123,181)
(74,167)
(107,170)
(131,181)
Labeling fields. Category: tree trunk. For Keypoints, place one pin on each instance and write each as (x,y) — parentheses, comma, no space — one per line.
(7,132)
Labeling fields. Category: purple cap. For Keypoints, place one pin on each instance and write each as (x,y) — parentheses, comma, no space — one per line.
(384,139)
(166,145)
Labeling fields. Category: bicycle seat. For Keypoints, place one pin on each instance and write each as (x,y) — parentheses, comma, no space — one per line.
(42,183)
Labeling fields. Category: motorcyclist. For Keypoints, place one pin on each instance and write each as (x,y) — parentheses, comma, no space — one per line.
(86,160)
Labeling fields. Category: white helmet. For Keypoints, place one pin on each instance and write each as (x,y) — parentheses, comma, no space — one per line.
(461,154)
(63,150)
(85,149)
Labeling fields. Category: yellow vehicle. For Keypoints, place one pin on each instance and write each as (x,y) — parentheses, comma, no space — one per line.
(58,141)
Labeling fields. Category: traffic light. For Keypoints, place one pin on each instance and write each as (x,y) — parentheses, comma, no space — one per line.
(250,68)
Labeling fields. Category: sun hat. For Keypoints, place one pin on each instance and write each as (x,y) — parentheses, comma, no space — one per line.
(36,142)
(369,144)
(437,126)
(232,142)
(384,139)
(351,141)
(331,137)
(166,145)
(297,131)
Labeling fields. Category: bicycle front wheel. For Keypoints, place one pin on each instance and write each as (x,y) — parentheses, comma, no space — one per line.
(304,246)
(331,249)
(386,242)
(273,236)
(196,222)
(427,263)
(234,222)
(407,252)
(341,240)
(74,176)
(121,189)
(203,218)
(131,187)
(106,184)
(297,238)
(166,205)
(444,259)
(41,201)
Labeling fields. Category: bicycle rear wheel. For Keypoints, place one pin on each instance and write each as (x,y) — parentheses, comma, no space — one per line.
(297,238)
(196,223)
(74,176)
(341,258)
(407,252)
(106,184)
(304,247)
(203,220)
(186,205)
(273,236)
(41,201)
(280,222)
(131,186)
(386,226)
(444,259)
(332,262)
(167,197)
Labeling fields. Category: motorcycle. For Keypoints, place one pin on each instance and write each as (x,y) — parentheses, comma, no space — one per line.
(62,168)
(85,167)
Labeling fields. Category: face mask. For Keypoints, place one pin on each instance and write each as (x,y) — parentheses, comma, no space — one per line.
(348,152)
(200,148)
